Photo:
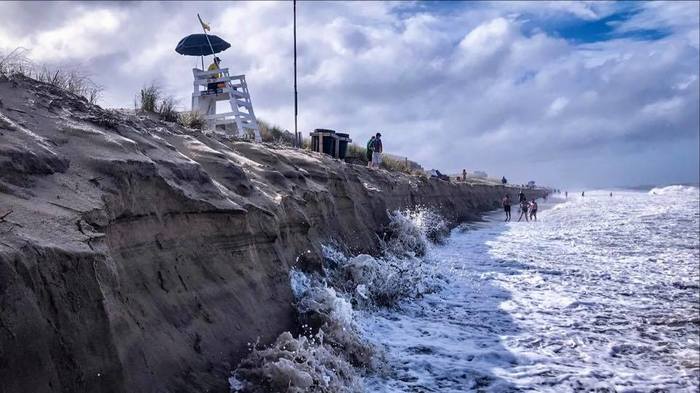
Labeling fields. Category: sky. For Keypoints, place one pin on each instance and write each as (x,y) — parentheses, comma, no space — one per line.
(569,94)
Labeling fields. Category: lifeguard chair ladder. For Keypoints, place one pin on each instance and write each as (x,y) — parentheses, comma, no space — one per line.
(235,90)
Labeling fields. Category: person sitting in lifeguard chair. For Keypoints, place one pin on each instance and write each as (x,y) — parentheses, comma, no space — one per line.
(213,87)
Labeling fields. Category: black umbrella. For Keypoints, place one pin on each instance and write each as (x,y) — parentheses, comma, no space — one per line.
(197,45)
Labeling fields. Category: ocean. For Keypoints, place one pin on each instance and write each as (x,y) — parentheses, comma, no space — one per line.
(600,294)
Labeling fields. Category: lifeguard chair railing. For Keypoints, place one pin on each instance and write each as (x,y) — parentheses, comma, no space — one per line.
(228,88)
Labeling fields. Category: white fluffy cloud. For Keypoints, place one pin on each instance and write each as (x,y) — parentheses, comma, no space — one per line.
(466,87)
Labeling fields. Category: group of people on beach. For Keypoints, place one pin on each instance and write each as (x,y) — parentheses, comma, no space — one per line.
(528,209)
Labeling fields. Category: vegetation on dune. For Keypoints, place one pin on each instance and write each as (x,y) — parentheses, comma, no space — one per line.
(70,79)
(275,134)
(152,99)
(191,119)
(358,154)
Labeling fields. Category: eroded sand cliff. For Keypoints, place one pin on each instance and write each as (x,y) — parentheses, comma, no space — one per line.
(139,256)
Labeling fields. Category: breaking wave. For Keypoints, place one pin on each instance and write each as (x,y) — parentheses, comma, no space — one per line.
(410,231)
(675,189)
(331,354)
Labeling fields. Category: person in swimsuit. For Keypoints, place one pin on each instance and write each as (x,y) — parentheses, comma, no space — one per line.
(533,210)
(523,211)
(506,206)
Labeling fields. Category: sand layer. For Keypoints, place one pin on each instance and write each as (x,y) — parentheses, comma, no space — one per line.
(138,256)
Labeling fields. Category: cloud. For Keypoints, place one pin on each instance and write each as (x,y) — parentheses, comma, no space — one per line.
(473,85)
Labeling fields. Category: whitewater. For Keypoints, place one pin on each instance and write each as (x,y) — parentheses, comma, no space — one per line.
(601,294)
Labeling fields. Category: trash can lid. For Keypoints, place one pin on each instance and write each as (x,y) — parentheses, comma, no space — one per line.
(324,130)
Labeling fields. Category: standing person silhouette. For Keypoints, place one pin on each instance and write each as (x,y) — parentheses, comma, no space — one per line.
(377,151)
(370,149)
(506,206)
(533,210)
(523,210)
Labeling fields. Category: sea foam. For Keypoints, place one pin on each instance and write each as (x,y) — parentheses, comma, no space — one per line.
(331,354)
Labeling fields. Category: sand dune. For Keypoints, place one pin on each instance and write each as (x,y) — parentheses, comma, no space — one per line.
(136,255)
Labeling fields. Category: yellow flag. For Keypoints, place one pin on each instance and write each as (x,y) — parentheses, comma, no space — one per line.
(205,25)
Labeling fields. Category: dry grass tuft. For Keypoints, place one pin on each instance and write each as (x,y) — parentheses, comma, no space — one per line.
(66,78)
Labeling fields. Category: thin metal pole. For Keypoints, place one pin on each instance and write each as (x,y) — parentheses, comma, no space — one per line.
(205,34)
(296,107)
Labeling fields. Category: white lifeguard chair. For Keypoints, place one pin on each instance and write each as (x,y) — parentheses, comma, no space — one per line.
(232,89)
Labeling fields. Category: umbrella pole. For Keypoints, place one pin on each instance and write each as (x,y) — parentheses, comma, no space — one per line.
(206,35)
(202,57)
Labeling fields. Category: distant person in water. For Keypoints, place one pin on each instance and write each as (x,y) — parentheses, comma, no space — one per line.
(504,180)
(533,210)
(566,194)
(506,206)
(464,175)
(583,193)
(523,210)
(611,195)
(521,197)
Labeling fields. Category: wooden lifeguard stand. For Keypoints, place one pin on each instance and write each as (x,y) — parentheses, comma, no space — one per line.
(241,120)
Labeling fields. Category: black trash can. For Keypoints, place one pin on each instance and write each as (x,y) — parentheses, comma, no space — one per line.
(329,145)
(328,141)
(343,144)
(314,143)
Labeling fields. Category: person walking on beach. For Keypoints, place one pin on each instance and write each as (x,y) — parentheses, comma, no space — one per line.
(506,206)
(566,194)
(533,210)
(377,150)
(523,210)
(370,148)
(464,175)
(583,193)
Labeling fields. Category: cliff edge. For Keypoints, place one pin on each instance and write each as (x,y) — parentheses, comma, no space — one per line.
(140,256)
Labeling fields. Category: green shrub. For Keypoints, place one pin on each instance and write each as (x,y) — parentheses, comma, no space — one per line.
(166,109)
(192,119)
(394,165)
(274,134)
(306,143)
(74,81)
(357,153)
(149,97)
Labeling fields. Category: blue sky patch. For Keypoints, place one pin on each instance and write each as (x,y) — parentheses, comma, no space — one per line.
(580,31)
